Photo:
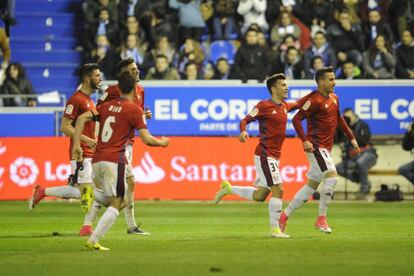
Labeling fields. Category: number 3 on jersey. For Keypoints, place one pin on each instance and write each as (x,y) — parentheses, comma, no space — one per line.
(107,129)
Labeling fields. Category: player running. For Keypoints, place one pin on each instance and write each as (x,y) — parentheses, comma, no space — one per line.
(77,104)
(321,111)
(118,119)
(272,116)
(111,93)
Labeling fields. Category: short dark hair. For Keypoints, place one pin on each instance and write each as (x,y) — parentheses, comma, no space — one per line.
(272,80)
(126,82)
(122,64)
(320,74)
(86,70)
(348,109)
(222,59)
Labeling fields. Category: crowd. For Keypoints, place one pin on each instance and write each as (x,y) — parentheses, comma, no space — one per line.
(172,39)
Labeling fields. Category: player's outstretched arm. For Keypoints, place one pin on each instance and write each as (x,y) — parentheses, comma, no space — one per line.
(151,141)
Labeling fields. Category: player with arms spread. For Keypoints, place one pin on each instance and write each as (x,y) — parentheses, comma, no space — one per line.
(77,104)
(321,111)
(111,93)
(117,118)
(272,116)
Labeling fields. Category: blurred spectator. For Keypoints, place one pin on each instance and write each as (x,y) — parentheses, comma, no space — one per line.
(91,9)
(318,13)
(319,48)
(253,11)
(290,64)
(16,84)
(191,51)
(379,62)
(261,40)
(354,165)
(162,70)
(348,71)
(207,71)
(162,25)
(407,170)
(376,26)
(224,23)
(140,9)
(405,57)
(191,22)
(367,5)
(251,61)
(191,71)
(133,27)
(104,26)
(132,49)
(284,26)
(316,64)
(397,11)
(346,39)
(162,47)
(351,6)
(222,69)
(105,56)
(5,49)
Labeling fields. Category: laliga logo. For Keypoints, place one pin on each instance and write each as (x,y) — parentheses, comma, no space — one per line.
(23,171)
(148,172)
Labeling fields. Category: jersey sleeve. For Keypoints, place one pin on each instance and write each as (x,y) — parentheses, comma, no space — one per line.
(136,118)
(292,105)
(107,96)
(72,109)
(307,105)
(252,116)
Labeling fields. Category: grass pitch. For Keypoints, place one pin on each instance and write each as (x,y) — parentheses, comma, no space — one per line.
(199,238)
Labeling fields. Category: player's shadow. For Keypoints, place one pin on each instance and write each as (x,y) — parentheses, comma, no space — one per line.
(40,235)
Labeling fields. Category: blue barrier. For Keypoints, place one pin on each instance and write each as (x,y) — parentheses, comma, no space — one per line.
(206,110)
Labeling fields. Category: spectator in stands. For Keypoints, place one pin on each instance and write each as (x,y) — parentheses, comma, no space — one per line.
(191,22)
(16,84)
(162,25)
(133,27)
(348,71)
(354,165)
(104,26)
(207,71)
(5,50)
(346,39)
(133,49)
(140,9)
(91,9)
(376,26)
(222,69)
(405,56)
(282,27)
(407,170)
(316,64)
(162,70)
(290,64)
(379,62)
(319,48)
(191,51)
(251,61)
(349,5)
(105,56)
(262,41)
(224,23)
(191,71)
(253,12)
(317,13)
(162,47)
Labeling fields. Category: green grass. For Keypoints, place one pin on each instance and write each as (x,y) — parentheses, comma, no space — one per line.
(198,238)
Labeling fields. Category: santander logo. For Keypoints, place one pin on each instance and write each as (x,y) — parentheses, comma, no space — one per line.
(23,171)
(148,172)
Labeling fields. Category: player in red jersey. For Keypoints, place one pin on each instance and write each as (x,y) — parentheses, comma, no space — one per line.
(77,104)
(118,118)
(321,111)
(272,116)
(111,93)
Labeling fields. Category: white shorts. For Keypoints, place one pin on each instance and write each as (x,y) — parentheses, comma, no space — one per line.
(85,174)
(128,156)
(320,162)
(267,169)
(110,177)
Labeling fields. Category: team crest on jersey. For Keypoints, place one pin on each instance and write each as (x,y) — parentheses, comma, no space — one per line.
(254,112)
(69,109)
(306,105)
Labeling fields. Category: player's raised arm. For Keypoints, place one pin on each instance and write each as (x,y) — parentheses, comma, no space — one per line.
(80,125)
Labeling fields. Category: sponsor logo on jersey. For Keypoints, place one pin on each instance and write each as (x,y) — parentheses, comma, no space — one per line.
(306,105)
(23,171)
(148,172)
(254,112)
(69,109)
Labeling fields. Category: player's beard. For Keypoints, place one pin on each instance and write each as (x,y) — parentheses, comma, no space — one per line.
(95,85)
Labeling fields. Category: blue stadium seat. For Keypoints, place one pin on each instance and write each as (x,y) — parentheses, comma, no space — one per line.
(46,56)
(27,19)
(222,48)
(42,44)
(48,5)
